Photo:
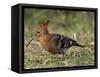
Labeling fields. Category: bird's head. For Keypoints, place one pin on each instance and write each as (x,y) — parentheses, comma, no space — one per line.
(44,25)
(43,29)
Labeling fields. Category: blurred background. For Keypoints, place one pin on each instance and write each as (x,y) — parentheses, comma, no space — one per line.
(78,25)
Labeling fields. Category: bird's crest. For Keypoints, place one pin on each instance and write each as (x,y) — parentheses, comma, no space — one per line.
(44,24)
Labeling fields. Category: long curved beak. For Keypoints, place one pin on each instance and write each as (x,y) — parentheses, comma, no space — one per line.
(29,42)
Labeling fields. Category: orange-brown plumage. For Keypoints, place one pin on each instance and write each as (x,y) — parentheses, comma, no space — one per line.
(45,38)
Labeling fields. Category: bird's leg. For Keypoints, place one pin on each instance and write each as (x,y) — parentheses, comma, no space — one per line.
(63,57)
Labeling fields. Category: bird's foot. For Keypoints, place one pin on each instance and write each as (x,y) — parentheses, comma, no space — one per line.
(62,57)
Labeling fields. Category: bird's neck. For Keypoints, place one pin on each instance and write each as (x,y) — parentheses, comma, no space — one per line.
(44,40)
(46,32)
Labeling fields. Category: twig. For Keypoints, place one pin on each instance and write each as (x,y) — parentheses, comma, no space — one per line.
(75,36)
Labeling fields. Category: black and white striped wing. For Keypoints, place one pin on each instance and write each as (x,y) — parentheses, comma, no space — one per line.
(62,41)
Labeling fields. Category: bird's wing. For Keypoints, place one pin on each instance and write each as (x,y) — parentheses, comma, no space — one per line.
(62,41)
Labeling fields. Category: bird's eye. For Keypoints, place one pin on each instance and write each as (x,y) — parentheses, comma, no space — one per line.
(38,32)
(44,24)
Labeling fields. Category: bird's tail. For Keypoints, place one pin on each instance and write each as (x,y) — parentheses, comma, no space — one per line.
(79,45)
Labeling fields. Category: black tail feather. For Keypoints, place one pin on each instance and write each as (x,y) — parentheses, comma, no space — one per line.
(77,44)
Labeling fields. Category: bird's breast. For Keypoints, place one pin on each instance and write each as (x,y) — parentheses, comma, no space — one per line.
(44,41)
(48,44)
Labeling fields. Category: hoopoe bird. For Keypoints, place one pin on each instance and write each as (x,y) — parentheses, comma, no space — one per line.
(54,43)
